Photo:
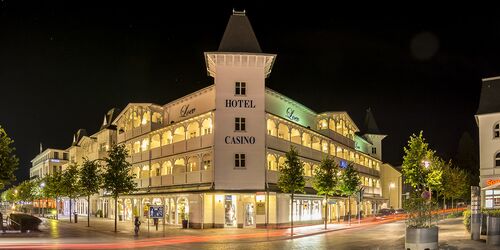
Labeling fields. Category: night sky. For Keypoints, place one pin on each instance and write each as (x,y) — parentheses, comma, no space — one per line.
(64,65)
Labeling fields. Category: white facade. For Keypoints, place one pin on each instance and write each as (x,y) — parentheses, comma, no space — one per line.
(212,157)
(488,122)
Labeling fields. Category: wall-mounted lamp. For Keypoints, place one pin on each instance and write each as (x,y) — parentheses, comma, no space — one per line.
(260,198)
(219,198)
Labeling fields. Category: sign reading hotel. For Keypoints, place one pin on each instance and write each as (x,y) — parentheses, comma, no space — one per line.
(239,103)
(491,182)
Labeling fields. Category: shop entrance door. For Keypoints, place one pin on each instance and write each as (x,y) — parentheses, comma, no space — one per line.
(249,215)
(230,211)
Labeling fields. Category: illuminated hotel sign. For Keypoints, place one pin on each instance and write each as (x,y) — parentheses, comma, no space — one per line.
(289,114)
(239,104)
(185,111)
(491,182)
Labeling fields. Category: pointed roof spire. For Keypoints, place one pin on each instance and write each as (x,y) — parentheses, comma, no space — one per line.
(370,125)
(105,122)
(239,35)
(41,148)
(74,138)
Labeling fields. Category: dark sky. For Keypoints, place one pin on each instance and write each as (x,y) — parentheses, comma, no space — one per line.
(63,64)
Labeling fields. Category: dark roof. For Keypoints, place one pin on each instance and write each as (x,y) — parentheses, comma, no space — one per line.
(490,96)
(78,136)
(109,117)
(370,125)
(239,35)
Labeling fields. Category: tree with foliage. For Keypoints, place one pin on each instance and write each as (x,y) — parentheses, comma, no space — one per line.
(9,195)
(326,181)
(349,184)
(90,181)
(8,160)
(28,191)
(54,188)
(70,184)
(423,171)
(455,183)
(291,178)
(116,178)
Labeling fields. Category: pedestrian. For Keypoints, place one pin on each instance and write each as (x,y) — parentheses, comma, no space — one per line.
(1,222)
(137,223)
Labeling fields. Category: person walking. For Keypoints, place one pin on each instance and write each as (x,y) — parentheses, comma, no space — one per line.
(137,223)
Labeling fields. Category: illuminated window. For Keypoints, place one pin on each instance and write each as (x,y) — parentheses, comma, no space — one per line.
(496,131)
(145,145)
(239,124)
(497,160)
(206,126)
(240,88)
(239,160)
(155,141)
(207,162)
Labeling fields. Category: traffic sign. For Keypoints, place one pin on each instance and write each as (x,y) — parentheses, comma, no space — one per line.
(156,211)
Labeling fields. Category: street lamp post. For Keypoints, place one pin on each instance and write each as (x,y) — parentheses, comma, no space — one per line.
(42,185)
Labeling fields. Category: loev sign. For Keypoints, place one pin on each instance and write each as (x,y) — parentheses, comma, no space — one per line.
(290,115)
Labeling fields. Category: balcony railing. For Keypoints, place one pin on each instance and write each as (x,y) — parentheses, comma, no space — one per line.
(202,176)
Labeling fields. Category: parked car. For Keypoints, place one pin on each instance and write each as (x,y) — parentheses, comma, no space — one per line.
(386,211)
(399,211)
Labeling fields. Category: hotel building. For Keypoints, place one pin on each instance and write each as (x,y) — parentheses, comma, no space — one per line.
(213,157)
(488,121)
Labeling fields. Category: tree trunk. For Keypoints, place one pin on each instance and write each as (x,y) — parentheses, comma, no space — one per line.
(88,210)
(326,211)
(70,209)
(116,211)
(291,233)
(452,207)
(349,213)
(57,209)
(444,202)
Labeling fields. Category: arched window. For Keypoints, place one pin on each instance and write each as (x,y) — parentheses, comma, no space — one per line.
(207,162)
(206,126)
(145,118)
(155,141)
(145,145)
(166,168)
(157,118)
(271,162)
(296,138)
(193,164)
(283,132)
(271,127)
(179,134)
(166,138)
(193,130)
(137,147)
(497,160)
(179,166)
(307,169)
(155,169)
(496,131)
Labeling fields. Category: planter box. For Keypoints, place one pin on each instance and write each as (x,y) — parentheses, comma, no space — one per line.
(422,238)
(493,231)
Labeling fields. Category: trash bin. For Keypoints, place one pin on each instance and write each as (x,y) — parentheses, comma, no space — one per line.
(76,217)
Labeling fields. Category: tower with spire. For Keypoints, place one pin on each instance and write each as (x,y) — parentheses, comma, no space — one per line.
(239,69)
(372,134)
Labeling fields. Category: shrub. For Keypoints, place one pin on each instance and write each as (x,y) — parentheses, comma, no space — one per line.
(467,216)
(25,222)
(455,215)
(492,212)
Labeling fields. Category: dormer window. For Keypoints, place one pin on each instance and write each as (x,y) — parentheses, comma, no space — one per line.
(496,131)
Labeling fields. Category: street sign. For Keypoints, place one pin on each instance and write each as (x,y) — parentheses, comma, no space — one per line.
(156,211)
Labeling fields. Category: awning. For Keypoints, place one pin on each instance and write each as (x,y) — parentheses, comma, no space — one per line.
(494,186)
